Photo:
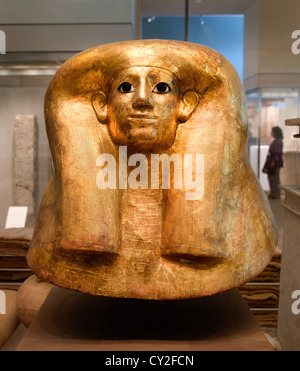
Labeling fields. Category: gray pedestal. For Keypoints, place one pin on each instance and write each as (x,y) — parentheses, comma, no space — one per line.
(288,321)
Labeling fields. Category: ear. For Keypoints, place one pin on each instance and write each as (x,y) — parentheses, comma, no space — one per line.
(100,107)
(187,105)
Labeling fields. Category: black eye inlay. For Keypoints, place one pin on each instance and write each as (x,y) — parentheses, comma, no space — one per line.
(126,87)
(162,88)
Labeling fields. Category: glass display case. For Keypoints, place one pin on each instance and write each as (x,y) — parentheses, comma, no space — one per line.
(268,108)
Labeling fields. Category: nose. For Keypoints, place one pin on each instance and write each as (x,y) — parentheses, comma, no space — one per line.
(142,100)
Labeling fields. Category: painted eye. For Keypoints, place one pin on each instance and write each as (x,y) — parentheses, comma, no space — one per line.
(126,87)
(162,88)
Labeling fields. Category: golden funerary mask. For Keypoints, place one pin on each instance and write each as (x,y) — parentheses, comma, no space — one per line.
(152,195)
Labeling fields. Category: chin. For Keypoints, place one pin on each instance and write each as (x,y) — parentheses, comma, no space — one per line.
(149,145)
(144,146)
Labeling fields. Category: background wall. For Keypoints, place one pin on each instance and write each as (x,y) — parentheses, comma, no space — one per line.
(58,29)
(268,58)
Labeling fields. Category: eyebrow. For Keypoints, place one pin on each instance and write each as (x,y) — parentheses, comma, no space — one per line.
(116,81)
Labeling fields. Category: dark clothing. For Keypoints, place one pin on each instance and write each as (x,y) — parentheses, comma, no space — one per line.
(274,181)
(275,158)
(275,152)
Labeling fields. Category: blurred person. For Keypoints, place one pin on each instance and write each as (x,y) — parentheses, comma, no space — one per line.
(274,163)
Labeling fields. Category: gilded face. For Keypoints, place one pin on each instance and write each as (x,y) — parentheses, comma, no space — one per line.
(142,108)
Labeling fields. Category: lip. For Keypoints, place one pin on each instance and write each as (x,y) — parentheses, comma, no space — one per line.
(143,116)
(143,120)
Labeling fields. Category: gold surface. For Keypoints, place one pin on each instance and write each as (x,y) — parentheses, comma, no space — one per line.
(150,243)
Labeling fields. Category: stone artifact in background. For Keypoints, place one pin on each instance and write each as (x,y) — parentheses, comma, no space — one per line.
(112,221)
(25,175)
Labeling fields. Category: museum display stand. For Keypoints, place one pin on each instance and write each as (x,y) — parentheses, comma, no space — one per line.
(73,321)
(289,303)
(288,317)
